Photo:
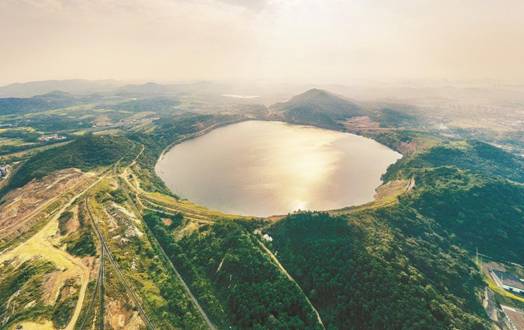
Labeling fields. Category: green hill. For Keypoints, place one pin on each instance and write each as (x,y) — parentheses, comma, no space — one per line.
(365,272)
(234,279)
(317,107)
(85,153)
(476,156)
(53,100)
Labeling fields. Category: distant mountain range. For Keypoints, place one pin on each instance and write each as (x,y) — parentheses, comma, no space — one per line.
(73,86)
(88,87)
(52,100)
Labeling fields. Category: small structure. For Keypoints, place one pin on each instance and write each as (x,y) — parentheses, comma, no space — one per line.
(508,281)
(3,171)
(53,137)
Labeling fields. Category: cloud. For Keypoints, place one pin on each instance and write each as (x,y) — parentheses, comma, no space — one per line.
(250,4)
(288,40)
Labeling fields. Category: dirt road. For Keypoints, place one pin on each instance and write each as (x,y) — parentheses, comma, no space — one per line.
(283,270)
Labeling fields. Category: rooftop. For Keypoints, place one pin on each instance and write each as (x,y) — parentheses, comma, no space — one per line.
(509,279)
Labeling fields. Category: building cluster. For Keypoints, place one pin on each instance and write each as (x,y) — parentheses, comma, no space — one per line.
(53,137)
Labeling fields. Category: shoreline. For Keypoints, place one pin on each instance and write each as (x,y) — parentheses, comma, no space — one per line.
(219,125)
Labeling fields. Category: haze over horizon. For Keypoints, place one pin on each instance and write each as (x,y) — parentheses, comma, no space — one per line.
(291,41)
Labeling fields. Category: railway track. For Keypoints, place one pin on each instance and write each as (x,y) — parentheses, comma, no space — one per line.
(101,292)
(96,292)
(106,253)
(127,287)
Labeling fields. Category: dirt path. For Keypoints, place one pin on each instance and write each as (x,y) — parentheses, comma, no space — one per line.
(38,209)
(42,244)
(283,270)
(186,287)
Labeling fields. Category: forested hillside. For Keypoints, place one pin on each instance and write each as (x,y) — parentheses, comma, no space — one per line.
(367,270)
(475,156)
(234,279)
(85,153)
(363,270)
(54,100)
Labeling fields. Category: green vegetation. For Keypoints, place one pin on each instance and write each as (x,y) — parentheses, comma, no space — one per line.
(475,156)
(164,298)
(365,269)
(21,292)
(53,122)
(81,242)
(118,196)
(478,212)
(402,265)
(39,103)
(86,153)
(158,104)
(19,139)
(389,117)
(362,273)
(62,221)
(234,280)
(65,305)
(26,135)
(464,188)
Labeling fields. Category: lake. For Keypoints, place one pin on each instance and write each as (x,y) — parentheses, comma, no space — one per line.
(265,168)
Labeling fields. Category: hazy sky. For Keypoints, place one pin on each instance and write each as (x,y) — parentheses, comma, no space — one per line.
(312,41)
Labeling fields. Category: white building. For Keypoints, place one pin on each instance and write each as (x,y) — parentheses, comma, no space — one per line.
(3,171)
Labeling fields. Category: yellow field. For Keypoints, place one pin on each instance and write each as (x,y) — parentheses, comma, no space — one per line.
(45,325)
(497,289)
(43,245)
(387,194)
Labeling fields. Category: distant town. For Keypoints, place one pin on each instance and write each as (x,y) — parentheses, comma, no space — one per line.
(53,137)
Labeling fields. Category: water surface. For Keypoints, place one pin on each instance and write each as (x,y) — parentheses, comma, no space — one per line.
(264,168)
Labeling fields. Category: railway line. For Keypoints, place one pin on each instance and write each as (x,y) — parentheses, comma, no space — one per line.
(127,287)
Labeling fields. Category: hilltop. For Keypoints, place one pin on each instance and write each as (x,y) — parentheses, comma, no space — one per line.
(317,107)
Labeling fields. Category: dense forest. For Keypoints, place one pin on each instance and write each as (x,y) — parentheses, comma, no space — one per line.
(475,156)
(363,273)
(235,281)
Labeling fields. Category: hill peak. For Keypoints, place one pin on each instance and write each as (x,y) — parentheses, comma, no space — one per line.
(318,107)
(314,92)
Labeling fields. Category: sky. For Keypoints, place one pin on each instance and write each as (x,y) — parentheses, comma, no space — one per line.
(285,41)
